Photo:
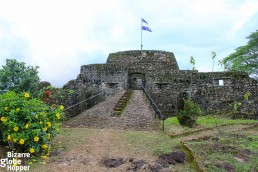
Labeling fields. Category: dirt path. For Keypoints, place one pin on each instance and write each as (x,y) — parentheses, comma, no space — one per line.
(88,156)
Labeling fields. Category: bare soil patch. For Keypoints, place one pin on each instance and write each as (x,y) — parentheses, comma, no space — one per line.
(103,150)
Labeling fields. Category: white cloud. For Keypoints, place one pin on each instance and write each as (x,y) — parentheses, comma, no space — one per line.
(243,14)
(60,36)
(12,45)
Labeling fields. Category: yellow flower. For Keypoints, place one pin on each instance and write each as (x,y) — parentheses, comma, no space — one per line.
(3,119)
(14,140)
(32,150)
(61,107)
(48,124)
(6,108)
(17,109)
(45,128)
(27,126)
(40,122)
(44,146)
(48,136)
(21,142)
(36,139)
(9,137)
(15,128)
(58,115)
(44,157)
(36,116)
(44,114)
(26,95)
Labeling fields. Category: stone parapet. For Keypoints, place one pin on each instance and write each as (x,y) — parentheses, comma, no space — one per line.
(129,58)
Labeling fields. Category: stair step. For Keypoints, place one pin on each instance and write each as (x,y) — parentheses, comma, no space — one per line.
(122,101)
(118,107)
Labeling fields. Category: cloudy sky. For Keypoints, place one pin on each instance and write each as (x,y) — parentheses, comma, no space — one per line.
(61,35)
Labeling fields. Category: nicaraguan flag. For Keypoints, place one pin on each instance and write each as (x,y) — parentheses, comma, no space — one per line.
(145,26)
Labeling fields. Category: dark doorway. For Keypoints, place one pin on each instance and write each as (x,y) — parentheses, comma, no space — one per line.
(136,80)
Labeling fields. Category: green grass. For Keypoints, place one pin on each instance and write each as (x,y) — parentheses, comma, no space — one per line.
(227,149)
(172,125)
(209,121)
(70,138)
(151,141)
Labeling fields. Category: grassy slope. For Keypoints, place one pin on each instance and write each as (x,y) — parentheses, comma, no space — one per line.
(236,149)
(148,145)
(239,150)
(172,126)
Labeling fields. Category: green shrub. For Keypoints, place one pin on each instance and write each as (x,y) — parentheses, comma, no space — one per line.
(188,116)
(27,124)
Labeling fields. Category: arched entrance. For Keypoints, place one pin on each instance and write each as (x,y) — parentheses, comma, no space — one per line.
(136,80)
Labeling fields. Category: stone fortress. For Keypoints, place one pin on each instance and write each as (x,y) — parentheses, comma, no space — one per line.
(159,73)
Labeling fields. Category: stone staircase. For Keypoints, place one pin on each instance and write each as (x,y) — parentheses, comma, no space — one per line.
(122,102)
(137,115)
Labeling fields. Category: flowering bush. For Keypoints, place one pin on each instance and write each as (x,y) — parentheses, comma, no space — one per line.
(27,124)
(52,95)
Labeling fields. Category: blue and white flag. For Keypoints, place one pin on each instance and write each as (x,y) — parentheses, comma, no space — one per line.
(145,26)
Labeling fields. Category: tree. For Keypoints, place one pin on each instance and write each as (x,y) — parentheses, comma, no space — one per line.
(18,77)
(245,58)
(192,61)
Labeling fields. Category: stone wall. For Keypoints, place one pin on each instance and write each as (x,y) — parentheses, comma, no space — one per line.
(146,57)
(103,80)
(108,78)
(159,73)
(203,88)
(165,86)
(76,102)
